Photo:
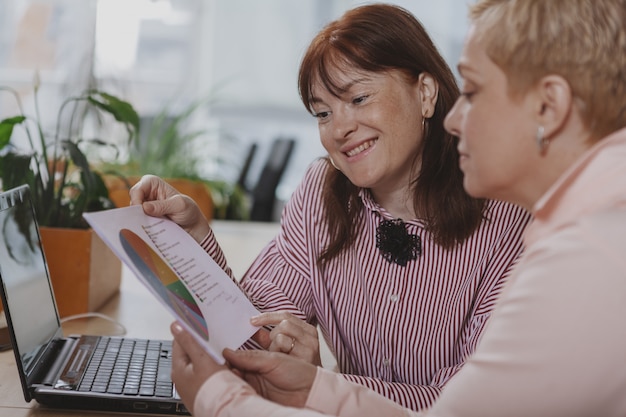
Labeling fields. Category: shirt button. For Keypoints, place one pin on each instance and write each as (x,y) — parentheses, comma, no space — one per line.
(394,298)
(386,362)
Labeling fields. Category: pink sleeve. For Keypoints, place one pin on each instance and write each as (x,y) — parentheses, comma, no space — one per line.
(226,395)
(332,394)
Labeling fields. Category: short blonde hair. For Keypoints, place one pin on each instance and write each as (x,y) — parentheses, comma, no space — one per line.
(584,41)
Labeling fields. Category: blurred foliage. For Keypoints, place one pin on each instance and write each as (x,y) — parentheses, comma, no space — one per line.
(62,181)
(166,148)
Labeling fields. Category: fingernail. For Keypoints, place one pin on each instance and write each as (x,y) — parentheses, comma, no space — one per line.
(148,207)
(254,319)
(176,328)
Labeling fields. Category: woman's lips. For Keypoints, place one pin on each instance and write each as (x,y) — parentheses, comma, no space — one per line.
(360,148)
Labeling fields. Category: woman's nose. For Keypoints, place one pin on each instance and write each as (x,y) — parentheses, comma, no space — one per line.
(451,122)
(344,123)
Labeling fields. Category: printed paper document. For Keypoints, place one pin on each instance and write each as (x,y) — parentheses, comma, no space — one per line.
(175,268)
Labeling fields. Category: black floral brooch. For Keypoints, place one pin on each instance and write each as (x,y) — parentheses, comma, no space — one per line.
(396,244)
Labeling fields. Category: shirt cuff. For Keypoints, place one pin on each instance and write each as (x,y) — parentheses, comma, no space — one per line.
(332,394)
(205,242)
(218,392)
(226,395)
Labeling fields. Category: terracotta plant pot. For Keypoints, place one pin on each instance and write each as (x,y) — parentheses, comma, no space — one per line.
(85,273)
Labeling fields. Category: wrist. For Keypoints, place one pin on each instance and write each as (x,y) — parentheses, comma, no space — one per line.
(200,230)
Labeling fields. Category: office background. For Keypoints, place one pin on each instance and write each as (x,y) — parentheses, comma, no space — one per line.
(241,55)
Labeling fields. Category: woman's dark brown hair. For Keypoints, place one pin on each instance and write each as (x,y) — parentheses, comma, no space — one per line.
(377,38)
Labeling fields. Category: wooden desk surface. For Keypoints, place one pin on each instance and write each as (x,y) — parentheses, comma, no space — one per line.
(137,310)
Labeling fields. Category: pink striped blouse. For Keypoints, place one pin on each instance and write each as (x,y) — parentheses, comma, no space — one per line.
(400,330)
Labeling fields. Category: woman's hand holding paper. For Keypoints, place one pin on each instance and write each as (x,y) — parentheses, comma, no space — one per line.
(158,198)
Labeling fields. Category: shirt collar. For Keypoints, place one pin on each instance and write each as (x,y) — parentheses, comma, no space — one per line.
(597,179)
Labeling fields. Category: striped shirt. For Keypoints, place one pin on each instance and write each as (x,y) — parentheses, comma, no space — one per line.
(400,330)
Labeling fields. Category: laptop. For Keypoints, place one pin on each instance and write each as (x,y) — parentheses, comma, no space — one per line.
(87,372)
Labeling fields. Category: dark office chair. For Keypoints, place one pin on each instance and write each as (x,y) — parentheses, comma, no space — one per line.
(263,195)
(243,174)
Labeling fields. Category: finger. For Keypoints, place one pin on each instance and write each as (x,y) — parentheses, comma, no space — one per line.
(187,343)
(295,329)
(259,361)
(294,341)
(262,337)
(181,363)
(149,187)
(282,343)
(285,322)
(179,356)
(270,318)
(166,207)
(274,342)
(139,192)
(154,208)
(292,332)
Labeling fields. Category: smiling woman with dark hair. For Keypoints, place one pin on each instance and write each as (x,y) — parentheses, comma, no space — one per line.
(379,245)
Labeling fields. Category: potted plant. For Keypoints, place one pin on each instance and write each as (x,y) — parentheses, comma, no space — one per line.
(166,148)
(64,186)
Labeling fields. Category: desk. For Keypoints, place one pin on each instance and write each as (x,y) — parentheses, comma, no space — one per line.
(137,310)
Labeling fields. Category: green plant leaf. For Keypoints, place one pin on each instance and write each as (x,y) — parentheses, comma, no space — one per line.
(63,184)
(6,129)
(80,160)
(123,111)
(15,170)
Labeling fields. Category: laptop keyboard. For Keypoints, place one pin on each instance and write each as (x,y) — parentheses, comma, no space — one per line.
(130,367)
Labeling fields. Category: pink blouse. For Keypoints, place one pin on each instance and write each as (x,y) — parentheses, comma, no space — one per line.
(401,330)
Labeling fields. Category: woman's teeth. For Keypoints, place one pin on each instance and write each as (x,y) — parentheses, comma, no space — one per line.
(360,148)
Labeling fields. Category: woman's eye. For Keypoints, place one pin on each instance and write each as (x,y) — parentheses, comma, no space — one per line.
(468,95)
(321,115)
(359,100)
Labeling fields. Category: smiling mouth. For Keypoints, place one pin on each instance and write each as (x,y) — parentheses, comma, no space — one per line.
(361,148)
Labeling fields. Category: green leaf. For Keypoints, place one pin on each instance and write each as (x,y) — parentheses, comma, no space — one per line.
(123,111)
(63,184)
(6,129)
(15,170)
(80,160)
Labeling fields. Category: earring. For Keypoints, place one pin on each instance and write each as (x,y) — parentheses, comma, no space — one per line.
(333,163)
(542,141)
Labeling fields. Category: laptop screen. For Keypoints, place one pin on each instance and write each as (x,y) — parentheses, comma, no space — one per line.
(31,308)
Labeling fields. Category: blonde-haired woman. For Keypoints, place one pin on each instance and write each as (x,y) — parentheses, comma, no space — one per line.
(541,123)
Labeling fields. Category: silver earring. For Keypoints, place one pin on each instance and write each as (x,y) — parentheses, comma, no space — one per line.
(333,163)
(542,141)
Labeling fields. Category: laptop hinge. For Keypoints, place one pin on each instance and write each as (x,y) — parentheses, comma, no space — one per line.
(75,368)
(51,362)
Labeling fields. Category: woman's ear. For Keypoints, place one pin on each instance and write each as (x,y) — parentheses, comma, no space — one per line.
(554,103)
(428,90)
